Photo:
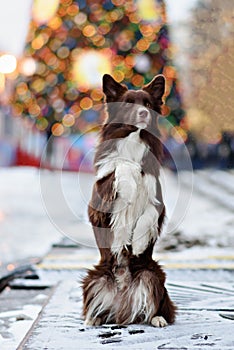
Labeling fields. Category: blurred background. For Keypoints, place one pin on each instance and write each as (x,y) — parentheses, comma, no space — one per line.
(53,55)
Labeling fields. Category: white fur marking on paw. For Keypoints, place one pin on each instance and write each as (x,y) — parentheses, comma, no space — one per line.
(159,321)
(145,229)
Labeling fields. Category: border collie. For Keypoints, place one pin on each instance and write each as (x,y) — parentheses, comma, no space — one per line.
(127,212)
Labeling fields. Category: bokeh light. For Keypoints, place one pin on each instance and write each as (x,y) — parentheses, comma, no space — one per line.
(148,10)
(57,129)
(8,64)
(86,103)
(28,66)
(89,68)
(2,82)
(68,120)
(44,10)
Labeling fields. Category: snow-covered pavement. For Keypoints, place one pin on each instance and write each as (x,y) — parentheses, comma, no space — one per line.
(25,229)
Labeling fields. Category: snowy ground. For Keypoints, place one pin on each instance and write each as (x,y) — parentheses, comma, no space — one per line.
(40,208)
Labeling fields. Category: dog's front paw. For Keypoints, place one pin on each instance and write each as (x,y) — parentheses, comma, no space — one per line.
(93,322)
(139,244)
(159,321)
(141,240)
(145,230)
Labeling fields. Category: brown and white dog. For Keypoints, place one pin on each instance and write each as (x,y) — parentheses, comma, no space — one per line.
(127,212)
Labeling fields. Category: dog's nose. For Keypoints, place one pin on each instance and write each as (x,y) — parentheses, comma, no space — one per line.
(143,113)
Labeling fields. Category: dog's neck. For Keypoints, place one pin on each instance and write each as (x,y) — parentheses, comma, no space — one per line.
(132,148)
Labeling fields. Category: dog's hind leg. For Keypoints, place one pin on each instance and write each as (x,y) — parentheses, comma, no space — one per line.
(166,312)
(99,291)
(146,300)
(138,304)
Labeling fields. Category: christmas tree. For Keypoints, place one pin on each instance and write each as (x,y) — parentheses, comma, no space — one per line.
(72,43)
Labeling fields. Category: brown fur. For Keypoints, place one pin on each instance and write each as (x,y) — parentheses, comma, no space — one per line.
(117,280)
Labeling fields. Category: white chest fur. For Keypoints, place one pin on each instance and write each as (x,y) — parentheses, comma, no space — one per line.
(134,217)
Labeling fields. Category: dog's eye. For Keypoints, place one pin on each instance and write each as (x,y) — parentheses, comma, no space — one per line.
(148,104)
(128,103)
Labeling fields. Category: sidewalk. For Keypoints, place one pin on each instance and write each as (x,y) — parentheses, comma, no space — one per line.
(46,309)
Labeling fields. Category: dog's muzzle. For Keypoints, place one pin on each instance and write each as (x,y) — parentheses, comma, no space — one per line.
(142,117)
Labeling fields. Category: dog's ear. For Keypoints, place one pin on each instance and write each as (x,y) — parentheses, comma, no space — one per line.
(112,89)
(156,87)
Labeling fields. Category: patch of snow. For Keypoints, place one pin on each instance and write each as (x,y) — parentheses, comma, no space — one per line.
(20,325)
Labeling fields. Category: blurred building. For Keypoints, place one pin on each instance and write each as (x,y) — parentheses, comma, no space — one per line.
(204,49)
(211,52)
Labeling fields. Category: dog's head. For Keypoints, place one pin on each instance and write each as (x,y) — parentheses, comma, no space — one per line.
(133,107)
